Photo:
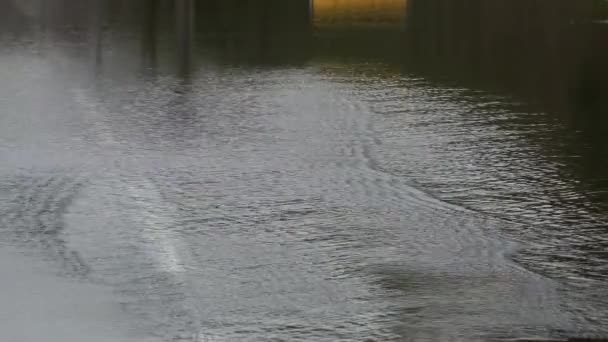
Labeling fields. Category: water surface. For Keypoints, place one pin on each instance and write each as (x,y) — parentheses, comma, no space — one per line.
(273,172)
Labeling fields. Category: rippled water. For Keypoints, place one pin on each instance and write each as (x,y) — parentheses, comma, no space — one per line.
(266,195)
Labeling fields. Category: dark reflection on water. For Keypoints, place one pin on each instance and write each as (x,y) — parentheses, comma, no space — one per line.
(316,171)
(552,52)
(554,59)
(257,33)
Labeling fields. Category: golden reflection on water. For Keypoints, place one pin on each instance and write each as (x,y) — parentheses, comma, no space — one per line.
(328,13)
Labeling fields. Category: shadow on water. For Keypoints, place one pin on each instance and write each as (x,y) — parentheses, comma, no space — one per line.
(554,58)
(12,18)
(263,33)
(549,52)
(550,56)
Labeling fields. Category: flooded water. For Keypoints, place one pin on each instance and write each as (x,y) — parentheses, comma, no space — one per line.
(381,170)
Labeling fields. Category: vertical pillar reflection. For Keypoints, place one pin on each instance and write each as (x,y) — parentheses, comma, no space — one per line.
(96,22)
(184,11)
(150,35)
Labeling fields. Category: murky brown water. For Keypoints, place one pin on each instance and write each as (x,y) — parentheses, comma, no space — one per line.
(340,171)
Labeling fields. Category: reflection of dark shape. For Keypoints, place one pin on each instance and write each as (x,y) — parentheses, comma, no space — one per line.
(250,31)
(382,43)
(96,13)
(150,34)
(66,14)
(263,31)
(11,18)
(546,50)
(184,22)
